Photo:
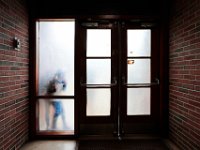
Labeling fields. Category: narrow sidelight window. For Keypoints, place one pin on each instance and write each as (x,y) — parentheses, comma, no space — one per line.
(55,94)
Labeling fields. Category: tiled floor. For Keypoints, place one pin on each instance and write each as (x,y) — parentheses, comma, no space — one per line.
(50,145)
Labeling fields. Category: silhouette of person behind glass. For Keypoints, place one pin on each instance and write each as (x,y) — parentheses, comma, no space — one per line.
(55,87)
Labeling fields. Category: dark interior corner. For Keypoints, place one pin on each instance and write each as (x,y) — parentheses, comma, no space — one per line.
(176,38)
(94,7)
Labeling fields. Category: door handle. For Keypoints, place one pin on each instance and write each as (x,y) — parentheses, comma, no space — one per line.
(114,83)
(156,82)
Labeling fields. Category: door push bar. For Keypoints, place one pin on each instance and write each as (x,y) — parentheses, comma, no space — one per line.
(99,85)
(156,82)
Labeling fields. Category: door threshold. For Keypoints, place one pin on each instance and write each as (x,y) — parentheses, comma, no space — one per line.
(111,137)
(145,137)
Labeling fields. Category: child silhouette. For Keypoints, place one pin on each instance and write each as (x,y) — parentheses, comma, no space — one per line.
(55,87)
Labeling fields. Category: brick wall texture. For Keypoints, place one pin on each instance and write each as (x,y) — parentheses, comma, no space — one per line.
(14,103)
(184,62)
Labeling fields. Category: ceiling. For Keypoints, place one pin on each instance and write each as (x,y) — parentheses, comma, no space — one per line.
(51,8)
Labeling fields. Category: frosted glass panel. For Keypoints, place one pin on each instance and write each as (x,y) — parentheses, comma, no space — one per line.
(99,42)
(138,102)
(98,71)
(139,71)
(139,43)
(98,102)
(56,55)
(56,115)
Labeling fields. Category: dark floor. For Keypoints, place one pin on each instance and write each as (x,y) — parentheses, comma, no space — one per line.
(101,144)
(154,144)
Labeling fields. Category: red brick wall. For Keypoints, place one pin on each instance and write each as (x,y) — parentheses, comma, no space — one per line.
(184,104)
(13,74)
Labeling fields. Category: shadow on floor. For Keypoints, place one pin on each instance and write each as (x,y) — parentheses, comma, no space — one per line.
(154,144)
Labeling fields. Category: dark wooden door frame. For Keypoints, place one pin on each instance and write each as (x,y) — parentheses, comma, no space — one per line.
(163,41)
(154,26)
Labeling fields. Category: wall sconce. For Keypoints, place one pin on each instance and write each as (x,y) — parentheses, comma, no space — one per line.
(17,44)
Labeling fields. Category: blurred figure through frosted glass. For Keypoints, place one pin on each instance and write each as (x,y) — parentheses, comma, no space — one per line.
(47,120)
(56,52)
(55,108)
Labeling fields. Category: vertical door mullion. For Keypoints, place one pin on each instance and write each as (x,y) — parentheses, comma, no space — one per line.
(121,76)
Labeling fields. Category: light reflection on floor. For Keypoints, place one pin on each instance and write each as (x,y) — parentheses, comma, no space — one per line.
(50,145)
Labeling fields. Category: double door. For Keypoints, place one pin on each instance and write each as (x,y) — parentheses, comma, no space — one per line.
(118,78)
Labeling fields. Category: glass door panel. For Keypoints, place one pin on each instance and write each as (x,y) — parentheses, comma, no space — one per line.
(139,71)
(55,94)
(139,42)
(55,44)
(98,71)
(59,119)
(138,101)
(98,43)
(98,102)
